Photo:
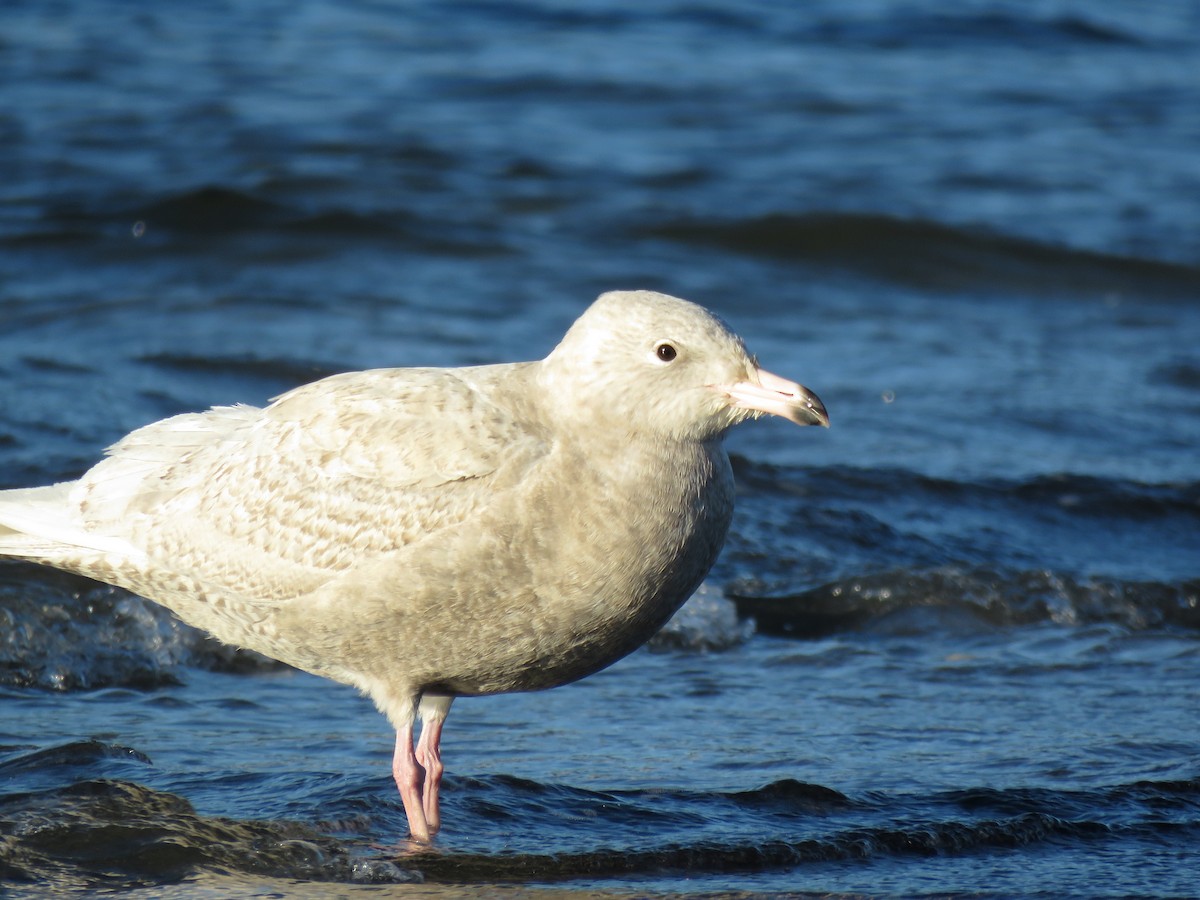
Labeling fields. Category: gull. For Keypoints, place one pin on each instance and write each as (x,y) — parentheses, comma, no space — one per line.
(430,533)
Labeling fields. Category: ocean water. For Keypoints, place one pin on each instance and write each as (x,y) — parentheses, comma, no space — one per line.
(953,644)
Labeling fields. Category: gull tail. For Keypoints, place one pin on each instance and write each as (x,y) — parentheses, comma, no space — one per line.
(48,525)
(43,525)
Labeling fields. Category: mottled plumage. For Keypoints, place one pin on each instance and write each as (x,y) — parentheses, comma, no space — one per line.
(424,534)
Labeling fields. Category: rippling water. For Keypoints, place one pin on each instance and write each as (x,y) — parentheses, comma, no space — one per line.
(951,646)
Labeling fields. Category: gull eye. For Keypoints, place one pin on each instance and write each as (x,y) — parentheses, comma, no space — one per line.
(665,351)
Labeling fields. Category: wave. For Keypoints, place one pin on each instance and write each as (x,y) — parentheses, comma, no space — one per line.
(121,834)
(918,253)
(915,29)
(707,622)
(111,831)
(987,598)
(934,256)
(278,370)
(798,527)
(214,212)
(60,632)
(797,824)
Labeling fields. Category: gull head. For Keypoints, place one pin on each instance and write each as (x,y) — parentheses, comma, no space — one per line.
(644,364)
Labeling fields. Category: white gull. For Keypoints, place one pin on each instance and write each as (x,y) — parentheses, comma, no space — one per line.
(426,534)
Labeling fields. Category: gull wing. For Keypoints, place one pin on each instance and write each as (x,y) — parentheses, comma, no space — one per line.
(271,503)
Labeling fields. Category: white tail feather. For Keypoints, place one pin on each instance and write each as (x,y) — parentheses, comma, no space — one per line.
(39,524)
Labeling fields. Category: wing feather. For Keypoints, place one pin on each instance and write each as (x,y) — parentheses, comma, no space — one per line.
(271,503)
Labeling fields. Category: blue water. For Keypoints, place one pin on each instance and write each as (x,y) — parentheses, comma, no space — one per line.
(951,645)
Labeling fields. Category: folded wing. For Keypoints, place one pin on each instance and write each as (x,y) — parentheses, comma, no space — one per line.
(270,503)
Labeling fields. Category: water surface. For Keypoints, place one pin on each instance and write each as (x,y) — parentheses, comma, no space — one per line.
(951,646)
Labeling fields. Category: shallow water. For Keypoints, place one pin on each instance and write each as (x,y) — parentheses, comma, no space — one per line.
(951,646)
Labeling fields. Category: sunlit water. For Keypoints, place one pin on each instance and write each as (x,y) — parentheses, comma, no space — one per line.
(951,644)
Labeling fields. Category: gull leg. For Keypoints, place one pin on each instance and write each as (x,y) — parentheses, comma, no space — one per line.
(434,709)
(409,777)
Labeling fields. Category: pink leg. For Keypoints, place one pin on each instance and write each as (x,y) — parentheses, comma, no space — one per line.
(409,777)
(429,756)
(433,709)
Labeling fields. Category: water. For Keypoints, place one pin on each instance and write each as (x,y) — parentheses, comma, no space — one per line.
(951,646)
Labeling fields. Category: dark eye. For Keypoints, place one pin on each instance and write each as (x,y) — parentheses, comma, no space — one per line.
(665,352)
